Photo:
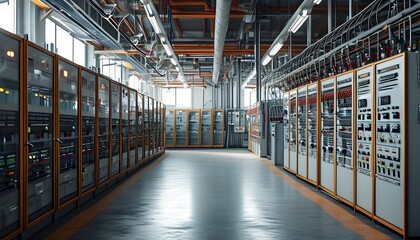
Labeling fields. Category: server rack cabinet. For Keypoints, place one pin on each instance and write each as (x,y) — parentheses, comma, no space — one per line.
(181,128)
(39,131)
(68,138)
(11,114)
(89,129)
(345,174)
(206,139)
(194,124)
(151,127)
(365,116)
(170,128)
(124,128)
(293,132)
(140,127)
(104,133)
(116,128)
(146,127)
(133,140)
(218,128)
(327,162)
(313,134)
(302,143)
(286,122)
(398,129)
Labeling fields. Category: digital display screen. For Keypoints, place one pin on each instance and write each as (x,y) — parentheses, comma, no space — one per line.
(362,103)
(11,160)
(385,100)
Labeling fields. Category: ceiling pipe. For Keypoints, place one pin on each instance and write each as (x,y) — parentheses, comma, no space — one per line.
(222,23)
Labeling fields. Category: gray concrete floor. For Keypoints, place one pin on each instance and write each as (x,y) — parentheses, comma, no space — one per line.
(215,194)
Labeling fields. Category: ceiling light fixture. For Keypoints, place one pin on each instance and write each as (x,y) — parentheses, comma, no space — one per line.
(317,1)
(149,10)
(167,50)
(299,21)
(155,25)
(275,49)
(173,61)
(266,60)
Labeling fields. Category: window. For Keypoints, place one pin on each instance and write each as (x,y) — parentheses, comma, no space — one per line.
(168,96)
(134,82)
(183,97)
(249,96)
(111,68)
(67,46)
(8,16)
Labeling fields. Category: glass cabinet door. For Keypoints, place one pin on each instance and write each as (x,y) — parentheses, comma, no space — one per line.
(146,126)
(9,135)
(302,142)
(104,131)
(40,122)
(151,127)
(193,127)
(181,128)
(116,138)
(133,126)
(206,128)
(170,125)
(124,127)
(88,129)
(218,128)
(140,132)
(68,138)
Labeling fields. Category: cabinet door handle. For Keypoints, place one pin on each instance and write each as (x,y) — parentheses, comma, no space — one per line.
(29,144)
(58,140)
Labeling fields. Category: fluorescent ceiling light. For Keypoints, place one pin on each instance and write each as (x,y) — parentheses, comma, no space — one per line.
(299,21)
(163,40)
(266,60)
(173,61)
(317,1)
(275,49)
(168,50)
(177,68)
(155,25)
(149,10)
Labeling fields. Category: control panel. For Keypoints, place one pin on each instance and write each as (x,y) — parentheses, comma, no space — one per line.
(293,127)
(286,106)
(389,107)
(344,129)
(364,113)
(301,121)
(312,131)
(327,121)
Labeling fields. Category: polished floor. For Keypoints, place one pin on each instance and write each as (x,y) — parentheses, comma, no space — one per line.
(217,194)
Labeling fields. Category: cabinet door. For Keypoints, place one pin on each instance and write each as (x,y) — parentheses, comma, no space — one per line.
(170,125)
(193,127)
(133,127)
(124,127)
(206,132)
(68,136)
(181,128)
(88,130)
(104,130)
(146,126)
(40,132)
(116,131)
(140,128)
(218,127)
(10,153)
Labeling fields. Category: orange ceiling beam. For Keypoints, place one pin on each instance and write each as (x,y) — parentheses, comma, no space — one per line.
(202,15)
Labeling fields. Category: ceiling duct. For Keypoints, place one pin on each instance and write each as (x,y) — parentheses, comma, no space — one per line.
(222,23)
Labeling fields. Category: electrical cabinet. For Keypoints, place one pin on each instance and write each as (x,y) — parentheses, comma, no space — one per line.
(327,108)
(104,133)
(344,137)
(206,128)
(193,128)
(218,128)
(293,132)
(124,128)
(152,132)
(313,153)
(68,133)
(181,128)
(286,122)
(170,128)
(115,128)
(146,127)
(88,129)
(10,132)
(301,147)
(364,124)
(40,122)
(140,127)
(133,128)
